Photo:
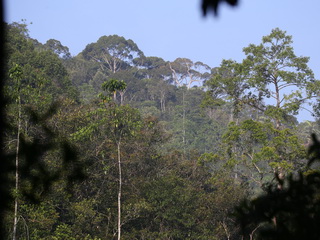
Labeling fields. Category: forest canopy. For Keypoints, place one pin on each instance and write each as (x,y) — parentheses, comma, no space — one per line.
(153,149)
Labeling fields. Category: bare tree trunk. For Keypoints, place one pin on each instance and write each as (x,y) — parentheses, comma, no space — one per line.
(251,234)
(175,77)
(121,97)
(225,228)
(184,125)
(15,221)
(191,77)
(162,100)
(115,96)
(119,190)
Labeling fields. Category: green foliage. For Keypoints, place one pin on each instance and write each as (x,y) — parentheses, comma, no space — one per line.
(172,201)
(37,175)
(259,145)
(260,149)
(270,70)
(85,215)
(123,121)
(62,231)
(40,219)
(228,84)
(289,212)
(112,86)
(44,77)
(58,48)
(113,53)
(188,154)
(274,67)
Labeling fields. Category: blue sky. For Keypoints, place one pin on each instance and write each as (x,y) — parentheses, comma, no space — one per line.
(173,28)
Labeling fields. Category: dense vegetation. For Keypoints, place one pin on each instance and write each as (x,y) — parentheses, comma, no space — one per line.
(159,149)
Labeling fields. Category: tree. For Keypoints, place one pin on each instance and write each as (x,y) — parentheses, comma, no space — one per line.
(271,79)
(15,75)
(274,70)
(227,86)
(58,48)
(124,122)
(159,91)
(153,68)
(185,72)
(113,53)
(5,163)
(42,69)
(259,151)
(120,123)
(295,206)
(113,86)
(276,83)
(29,139)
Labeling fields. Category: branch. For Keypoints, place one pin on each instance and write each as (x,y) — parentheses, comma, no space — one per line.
(225,229)
(258,169)
(107,60)
(175,77)
(281,86)
(253,231)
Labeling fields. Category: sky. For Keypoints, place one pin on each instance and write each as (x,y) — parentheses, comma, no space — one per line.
(173,28)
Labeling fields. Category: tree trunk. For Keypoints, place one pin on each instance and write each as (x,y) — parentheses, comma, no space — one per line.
(225,228)
(121,97)
(114,96)
(278,102)
(183,125)
(15,221)
(119,190)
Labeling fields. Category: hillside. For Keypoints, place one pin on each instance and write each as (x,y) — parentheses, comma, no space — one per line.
(112,143)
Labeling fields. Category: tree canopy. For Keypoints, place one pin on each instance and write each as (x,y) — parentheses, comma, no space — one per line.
(160,149)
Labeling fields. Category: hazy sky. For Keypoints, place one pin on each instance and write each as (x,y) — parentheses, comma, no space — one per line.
(173,28)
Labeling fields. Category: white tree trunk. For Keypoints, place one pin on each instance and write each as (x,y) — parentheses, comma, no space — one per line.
(119,191)
(15,221)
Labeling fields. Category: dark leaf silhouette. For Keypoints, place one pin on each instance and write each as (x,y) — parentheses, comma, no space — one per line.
(212,5)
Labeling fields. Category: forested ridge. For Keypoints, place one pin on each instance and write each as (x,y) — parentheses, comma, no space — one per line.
(113,144)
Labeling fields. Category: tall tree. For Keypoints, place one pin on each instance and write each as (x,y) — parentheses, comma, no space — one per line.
(123,123)
(276,72)
(29,138)
(227,86)
(273,81)
(16,76)
(112,52)
(58,48)
(185,72)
